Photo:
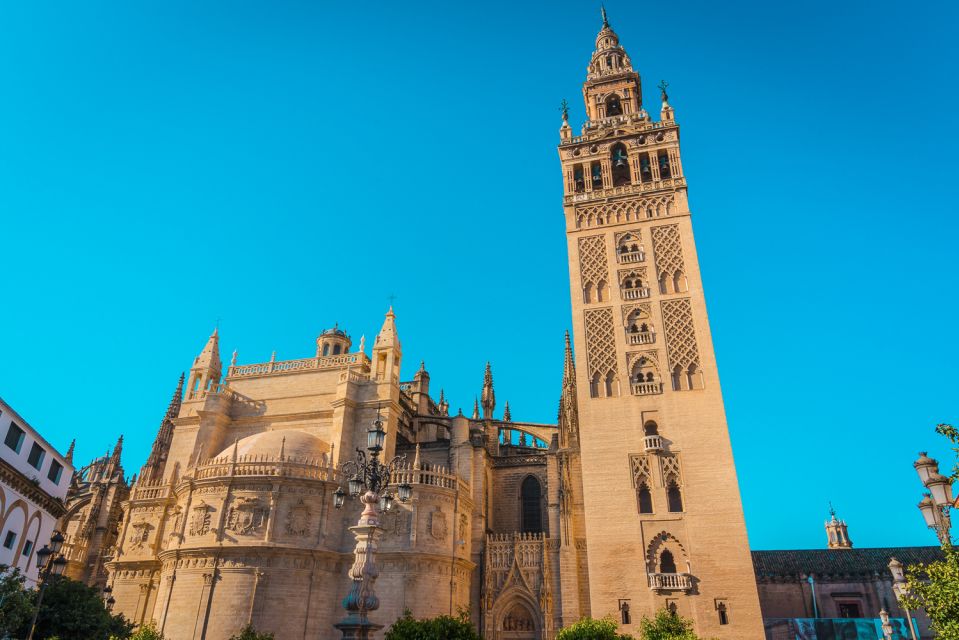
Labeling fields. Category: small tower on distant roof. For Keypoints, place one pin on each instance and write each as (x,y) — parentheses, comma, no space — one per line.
(206,370)
(837,533)
(387,352)
(333,342)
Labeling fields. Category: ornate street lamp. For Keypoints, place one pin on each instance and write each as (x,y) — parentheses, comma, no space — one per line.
(900,590)
(50,564)
(368,479)
(936,504)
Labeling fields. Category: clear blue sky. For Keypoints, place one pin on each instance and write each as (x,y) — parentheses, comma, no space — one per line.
(286,165)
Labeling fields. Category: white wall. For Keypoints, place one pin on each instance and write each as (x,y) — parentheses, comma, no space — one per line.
(26,525)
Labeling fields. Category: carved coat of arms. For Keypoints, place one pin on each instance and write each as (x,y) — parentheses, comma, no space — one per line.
(298,520)
(200,519)
(438,524)
(246,516)
(140,535)
(396,522)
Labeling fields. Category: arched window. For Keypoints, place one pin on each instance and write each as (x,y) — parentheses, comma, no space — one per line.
(601,291)
(645,169)
(613,106)
(579,183)
(588,292)
(326,349)
(679,282)
(677,378)
(611,385)
(336,350)
(674,498)
(667,564)
(620,162)
(532,509)
(694,378)
(594,386)
(596,175)
(644,498)
(664,168)
(651,428)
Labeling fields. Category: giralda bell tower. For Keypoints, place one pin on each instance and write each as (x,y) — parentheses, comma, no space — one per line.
(664,520)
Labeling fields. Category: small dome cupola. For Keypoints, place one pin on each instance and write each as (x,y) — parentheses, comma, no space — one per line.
(333,342)
(609,57)
(837,533)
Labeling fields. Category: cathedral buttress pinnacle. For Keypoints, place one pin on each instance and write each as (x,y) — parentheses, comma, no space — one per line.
(489,396)
(207,369)
(153,469)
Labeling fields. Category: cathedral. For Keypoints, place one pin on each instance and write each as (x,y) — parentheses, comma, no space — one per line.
(628,504)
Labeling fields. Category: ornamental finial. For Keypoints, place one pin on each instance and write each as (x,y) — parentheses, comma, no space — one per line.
(662,87)
(605,19)
(564,109)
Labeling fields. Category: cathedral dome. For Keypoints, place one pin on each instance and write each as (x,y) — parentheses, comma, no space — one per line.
(294,444)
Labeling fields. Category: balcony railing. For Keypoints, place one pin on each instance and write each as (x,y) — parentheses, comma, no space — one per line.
(635,293)
(647,388)
(640,337)
(629,257)
(653,444)
(670,582)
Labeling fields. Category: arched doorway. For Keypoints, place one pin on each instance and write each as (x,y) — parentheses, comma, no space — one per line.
(518,623)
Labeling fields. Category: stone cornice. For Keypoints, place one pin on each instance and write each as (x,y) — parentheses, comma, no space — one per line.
(22,484)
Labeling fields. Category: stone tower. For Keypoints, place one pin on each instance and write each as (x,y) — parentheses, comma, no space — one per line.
(837,533)
(663,515)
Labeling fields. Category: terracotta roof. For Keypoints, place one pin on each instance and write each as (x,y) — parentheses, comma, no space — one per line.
(838,562)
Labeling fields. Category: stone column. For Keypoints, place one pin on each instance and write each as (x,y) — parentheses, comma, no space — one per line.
(361,599)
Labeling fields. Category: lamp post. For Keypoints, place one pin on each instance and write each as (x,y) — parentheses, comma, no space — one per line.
(936,504)
(369,480)
(886,625)
(50,563)
(108,599)
(899,588)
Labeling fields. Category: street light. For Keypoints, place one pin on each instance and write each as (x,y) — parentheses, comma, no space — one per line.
(936,504)
(48,566)
(108,599)
(369,480)
(900,589)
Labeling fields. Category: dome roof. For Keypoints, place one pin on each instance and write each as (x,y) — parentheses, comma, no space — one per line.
(294,443)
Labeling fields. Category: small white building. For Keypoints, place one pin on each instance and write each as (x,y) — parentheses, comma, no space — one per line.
(34,479)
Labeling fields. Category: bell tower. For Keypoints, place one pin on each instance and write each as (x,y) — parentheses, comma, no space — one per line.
(662,510)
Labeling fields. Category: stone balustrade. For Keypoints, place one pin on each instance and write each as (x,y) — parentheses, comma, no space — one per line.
(266,465)
(288,366)
(630,257)
(653,444)
(647,388)
(439,477)
(626,189)
(150,492)
(635,293)
(670,582)
(640,337)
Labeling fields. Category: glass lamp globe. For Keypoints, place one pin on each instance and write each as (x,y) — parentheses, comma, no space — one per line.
(56,542)
(42,556)
(941,489)
(405,492)
(895,568)
(386,502)
(375,436)
(925,467)
(59,565)
(339,497)
(928,509)
(355,486)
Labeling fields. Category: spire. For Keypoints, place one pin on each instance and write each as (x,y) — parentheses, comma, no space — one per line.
(152,470)
(476,415)
(444,406)
(612,88)
(507,417)
(118,447)
(387,337)
(387,351)
(605,19)
(206,369)
(568,409)
(69,456)
(569,366)
(488,396)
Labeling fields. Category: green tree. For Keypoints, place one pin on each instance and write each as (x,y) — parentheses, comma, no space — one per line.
(16,603)
(446,627)
(666,625)
(591,629)
(71,609)
(249,633)
(935,586)
(147,631)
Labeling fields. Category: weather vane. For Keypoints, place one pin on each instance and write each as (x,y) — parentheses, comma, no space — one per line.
(564,108)
(662,87)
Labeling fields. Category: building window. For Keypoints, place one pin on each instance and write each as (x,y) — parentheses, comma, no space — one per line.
(14,438)
(849,610)
(664,169)
(532,510)
(27,547)
(723,613)
(36,456)
(667,564)
(56,470)
(624,612)
(9,539)
(674,498)
(645,499)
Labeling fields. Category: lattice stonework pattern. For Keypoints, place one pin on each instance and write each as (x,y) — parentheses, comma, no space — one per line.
(600,342)
(592,260)
(668,250)
(630,210)
(639,464)
(670,470)
(681,348)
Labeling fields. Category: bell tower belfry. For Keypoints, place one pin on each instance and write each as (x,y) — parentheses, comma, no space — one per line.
(662,510)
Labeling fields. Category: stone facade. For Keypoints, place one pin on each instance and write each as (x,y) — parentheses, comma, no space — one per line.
(627,504)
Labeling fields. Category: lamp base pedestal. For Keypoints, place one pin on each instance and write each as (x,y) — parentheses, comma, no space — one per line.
(355,628)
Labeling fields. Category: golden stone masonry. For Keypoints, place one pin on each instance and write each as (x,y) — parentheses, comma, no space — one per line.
(628,504)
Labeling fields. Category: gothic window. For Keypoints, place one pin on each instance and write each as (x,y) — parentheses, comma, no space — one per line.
(667,564)
(644,370)
(644,498)
(613,106)
(723,613)
(620,162)
(674,497)
(645,168)
(664,169)
(531,498)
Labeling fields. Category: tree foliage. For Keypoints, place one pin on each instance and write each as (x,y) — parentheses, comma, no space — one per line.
(250,633)
(447,627)
(16,603)
(592,629)
(666,625)
(147,631)
(71,609)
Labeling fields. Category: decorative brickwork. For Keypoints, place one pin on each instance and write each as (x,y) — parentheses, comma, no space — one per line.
(600,342)
(592,260)
(630,210)
(670,267)
(681,345)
